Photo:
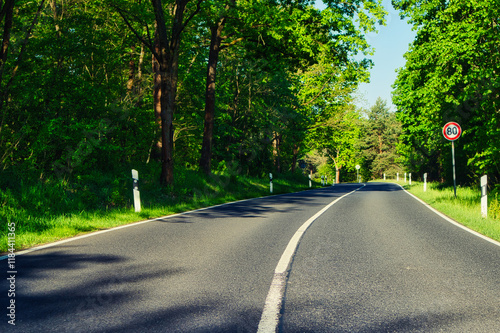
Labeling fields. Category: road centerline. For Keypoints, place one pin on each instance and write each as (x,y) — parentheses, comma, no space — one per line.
(274,300)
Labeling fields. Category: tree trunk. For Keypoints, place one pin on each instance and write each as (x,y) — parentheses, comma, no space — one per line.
(168,59)
(138,90)
(208,129)
(157,89)
(8,13)
(131,72)
(294,157)
(277,152)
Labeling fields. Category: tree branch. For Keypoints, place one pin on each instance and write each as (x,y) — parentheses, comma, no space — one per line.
(148,44)
(234,42)
(197,10)
(21,53)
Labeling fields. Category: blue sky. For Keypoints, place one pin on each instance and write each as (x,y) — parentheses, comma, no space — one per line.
(391,43)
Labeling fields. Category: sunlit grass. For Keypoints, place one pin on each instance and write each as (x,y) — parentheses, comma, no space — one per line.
(465,208)
(43,213)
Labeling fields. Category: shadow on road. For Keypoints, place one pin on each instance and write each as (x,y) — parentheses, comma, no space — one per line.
(262,207)
(112,301)
(59,291)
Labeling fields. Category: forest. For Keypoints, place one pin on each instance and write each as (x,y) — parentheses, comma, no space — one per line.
(92,89)
(95,88)
(451,74)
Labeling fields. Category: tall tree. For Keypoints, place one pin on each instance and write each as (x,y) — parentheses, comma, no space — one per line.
(216,39)
(168,58)
(166,52)
(379,141)
(337,139)
(327,98)
(451,74)
(296,35)
(65,108)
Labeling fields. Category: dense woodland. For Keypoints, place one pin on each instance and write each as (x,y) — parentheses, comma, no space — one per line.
(451,74)
(90,86)
(90,89)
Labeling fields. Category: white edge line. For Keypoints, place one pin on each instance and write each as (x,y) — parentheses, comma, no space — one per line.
(451,220)
(95,233)
(271,314)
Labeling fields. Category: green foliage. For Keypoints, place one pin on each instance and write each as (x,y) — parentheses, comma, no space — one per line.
(67,110)
(494,208)
(76,98)
(465,208)
(337,138)
(494,203)
(102,200)
(451,75)
(79,101)
(379,142)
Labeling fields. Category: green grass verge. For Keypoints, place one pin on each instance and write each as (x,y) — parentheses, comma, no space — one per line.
(50,210)
(465,208)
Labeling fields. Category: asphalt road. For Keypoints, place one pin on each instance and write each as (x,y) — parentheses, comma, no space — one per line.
(376,261)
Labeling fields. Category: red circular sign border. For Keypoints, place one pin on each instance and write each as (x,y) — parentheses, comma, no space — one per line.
(459,130)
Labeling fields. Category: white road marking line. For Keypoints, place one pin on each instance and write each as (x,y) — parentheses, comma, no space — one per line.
(453,221)
(94,233)
(41,247)
(272,307)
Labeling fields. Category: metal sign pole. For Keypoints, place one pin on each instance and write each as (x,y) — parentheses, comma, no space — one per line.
(454,174)
(451,132)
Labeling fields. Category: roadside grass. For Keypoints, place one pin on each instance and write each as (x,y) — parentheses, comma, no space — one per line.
(465,208)
(50,210)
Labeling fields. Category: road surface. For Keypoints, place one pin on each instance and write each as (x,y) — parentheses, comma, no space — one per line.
(375,261)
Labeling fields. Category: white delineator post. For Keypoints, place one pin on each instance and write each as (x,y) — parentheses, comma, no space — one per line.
(137,197)
(484,196)
(425,181)
(409,175)
(310,182)
(270,182)
(397,176)
(384,176)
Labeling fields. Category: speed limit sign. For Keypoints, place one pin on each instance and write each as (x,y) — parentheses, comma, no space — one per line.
(452,131)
